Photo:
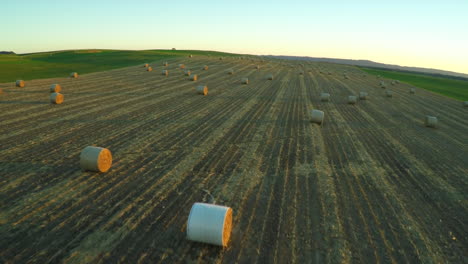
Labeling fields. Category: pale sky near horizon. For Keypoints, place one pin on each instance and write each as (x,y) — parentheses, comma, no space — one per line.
(430,34)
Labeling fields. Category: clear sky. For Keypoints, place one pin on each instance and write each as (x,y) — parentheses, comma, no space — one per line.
(432,34)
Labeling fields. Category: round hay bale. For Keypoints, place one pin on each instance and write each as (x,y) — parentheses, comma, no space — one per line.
(205,68)
(202,89)
(220,58)
(257,67)
(55,88)
(245,80)
(324,97)
(74,75)
(412,90)
(392,82)
(430,121)
(56,98)
(352,99)
(230,72)
(182,66)
(363,96)
(317,116)
(193,77)
(165,72)
(209,223)
(149,69)
(146,65)
(187,72)
(20,83)
(389,93)
(465,104)
(270,76)
(95,159)
(165,64)
(190,56)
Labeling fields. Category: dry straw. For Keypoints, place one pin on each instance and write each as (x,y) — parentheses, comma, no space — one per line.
(95,159)
(55,88)
(74,75)
(209,223)
(352,99)
(165,72)
(193,77)
(149,69)
(245,80)
(317,116)
(56,98)
(202,89)
(363,96)
(324,97)
(270,76)
(430,121)
(20,83)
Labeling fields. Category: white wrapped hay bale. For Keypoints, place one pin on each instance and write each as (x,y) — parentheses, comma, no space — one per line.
(389,93)
(202,89)
(209,223)
(56,98)
(55,88)
(230,71)
(205,68)
(363,96)
(165,72)
(317,116)
(74,75)
(20,83)
(430,121)
(465,104)
(187,72)
(149,69)
(245,80)
(324,97)
(270,76)
(182,66)
(352,99)
(193,77)
(412,90)
(95,159)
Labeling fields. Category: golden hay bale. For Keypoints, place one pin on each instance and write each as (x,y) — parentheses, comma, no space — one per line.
(412,90)
(187,72)
(146,65)
(363,96)
(230,72)
(20,83)
(165,64)
(55,88)
(182,66)
(352,99)
(389,93)
(205,68)
(202,89)
(74,75)
(56,98)
(270,76)
(324,97)
(430,121)
(149,69)
(209,223)
(245,80)
(317,116)
(95,159)
(165,72)
(193,77)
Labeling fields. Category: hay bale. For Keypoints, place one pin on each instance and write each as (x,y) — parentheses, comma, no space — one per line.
(56,98)
(209,223)
(389,93)
(182,66)
(55,88)
(193,77)
(190,56)
(165,64)
(465,104)
(245,80)
(317,116)
(352,99)
(165,72)
(202,89)
(430,121)
(412,90)
(205,68)
(149,69)
(74,75)
(230,71)
(392,82)
(20,83)
(363,96)
(257,67)
(95,159)
(270,76)
(324,97)
(187,72)
(146,65)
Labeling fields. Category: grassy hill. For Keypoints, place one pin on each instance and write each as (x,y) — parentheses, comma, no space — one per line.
(61,63)
(453,88)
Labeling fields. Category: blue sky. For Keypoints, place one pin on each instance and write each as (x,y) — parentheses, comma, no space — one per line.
(431,34)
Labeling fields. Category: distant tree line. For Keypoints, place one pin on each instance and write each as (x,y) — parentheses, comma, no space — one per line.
(7,52)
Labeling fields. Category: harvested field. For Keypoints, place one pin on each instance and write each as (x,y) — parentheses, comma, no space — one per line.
(372,185)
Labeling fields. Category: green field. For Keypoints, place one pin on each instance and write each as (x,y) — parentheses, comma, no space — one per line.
(61,63)
(457,89)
